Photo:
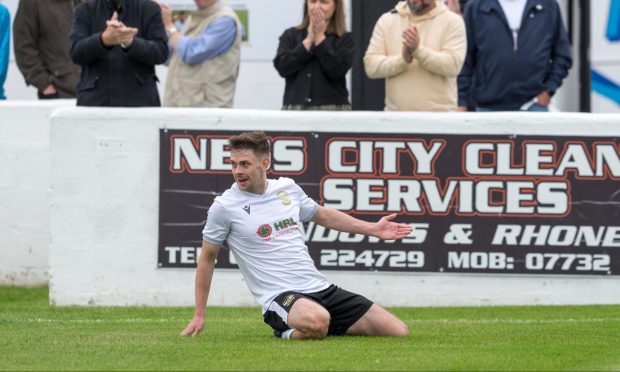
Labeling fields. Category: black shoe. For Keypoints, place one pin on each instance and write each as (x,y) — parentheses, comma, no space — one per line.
(278,334)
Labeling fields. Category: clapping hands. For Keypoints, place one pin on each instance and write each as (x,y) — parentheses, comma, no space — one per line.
(316,28)
(411,41)
(318,23)
(116,33)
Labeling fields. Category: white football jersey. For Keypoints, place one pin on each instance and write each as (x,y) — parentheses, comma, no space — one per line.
(262,230)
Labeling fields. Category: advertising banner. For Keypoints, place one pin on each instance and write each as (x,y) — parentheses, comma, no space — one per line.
(478,203)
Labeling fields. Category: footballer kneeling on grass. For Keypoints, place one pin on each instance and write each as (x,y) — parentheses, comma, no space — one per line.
(258,218)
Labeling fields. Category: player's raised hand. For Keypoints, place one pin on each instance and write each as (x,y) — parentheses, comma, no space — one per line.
(194,327)
(388,230)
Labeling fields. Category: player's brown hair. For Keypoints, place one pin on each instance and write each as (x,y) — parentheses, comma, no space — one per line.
(256,141)
(337,25)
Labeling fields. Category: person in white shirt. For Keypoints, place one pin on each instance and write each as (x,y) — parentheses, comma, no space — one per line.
(258,218)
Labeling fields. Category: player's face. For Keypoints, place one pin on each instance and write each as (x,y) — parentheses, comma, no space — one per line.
(249,171)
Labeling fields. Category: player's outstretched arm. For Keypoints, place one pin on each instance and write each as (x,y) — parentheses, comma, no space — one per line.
(204,274)
(383,229)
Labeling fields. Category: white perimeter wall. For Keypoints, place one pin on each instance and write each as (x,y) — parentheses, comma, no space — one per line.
(104,209)
(24,184)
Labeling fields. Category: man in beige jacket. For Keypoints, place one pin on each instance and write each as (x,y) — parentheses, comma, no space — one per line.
(204,59)
(418,48)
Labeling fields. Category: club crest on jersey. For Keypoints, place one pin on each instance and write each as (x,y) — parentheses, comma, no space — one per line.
(264,231)
(283,195)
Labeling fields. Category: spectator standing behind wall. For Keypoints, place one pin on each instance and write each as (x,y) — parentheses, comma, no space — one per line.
(518,54)
(41,33)
(418,48)
(5,35)
(118,43)
(204,64)
(315,57)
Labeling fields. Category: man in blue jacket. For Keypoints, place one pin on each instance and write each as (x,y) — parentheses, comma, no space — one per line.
(118,43)
(518,53)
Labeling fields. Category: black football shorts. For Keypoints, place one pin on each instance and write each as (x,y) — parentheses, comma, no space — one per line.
(344,307)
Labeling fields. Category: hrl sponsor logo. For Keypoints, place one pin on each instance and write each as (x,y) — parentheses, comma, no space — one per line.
(289,222)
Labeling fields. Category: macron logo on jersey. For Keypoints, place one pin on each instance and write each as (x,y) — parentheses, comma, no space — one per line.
(247,209)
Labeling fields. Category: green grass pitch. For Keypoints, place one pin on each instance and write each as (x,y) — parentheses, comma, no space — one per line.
(35,336)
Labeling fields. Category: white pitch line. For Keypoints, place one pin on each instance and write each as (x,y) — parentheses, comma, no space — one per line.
(240,320)
(513,321)
(126,320)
